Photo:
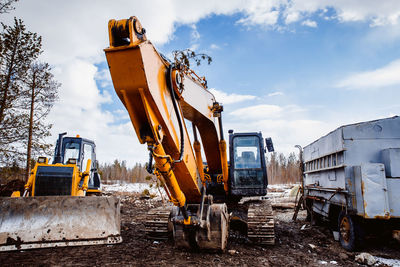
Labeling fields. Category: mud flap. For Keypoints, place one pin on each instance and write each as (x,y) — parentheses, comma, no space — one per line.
(55,221)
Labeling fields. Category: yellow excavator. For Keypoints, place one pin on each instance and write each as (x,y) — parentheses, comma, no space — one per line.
(209,197)
(60,205)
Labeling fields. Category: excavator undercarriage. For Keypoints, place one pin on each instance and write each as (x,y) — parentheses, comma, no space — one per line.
(253,221)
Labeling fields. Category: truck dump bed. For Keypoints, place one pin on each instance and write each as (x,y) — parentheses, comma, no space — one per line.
(356,167)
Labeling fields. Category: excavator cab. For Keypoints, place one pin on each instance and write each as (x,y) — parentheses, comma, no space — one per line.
(247,170)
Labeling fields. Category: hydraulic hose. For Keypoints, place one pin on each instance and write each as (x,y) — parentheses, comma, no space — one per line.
(177,112)
(149,168)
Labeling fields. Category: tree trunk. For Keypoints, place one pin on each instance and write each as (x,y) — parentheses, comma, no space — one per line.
(29,146)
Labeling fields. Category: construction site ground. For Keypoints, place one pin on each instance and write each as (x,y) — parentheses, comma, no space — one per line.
(297,244)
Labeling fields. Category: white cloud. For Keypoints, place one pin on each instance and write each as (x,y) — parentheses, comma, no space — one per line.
(292,17)
(103,76)
(195,33)
(275,94)
(79,112)
(194,47)
(285,132)
(309,23)
(374,79)
(214,47)
(226,98)
(374,12)
(75,33)
(260,17)
(266,111)
(258,111)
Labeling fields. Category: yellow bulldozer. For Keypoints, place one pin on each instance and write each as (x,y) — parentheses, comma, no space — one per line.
(61,203)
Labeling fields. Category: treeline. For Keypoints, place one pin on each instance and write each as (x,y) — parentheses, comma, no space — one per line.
(282,169)
(118,171)
(28,92)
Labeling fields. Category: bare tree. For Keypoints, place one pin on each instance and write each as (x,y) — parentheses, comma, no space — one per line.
(6,5)
(282,170)
(119,171)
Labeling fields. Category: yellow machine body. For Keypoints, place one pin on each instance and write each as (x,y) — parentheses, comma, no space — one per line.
(160,96)
(56,208)
(139,75)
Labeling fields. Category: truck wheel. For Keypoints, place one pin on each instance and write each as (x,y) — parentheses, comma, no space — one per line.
(347,232)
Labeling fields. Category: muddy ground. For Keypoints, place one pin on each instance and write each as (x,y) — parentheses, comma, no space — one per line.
(312,246)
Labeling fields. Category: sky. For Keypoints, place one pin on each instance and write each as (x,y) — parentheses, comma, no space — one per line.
(294,70)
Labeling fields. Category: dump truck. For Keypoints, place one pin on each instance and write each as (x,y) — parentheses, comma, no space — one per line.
(164,99)
(61,203)
(352,179)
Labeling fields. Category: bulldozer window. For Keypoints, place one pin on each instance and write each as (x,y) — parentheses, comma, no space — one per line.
(87,154)
(71,151)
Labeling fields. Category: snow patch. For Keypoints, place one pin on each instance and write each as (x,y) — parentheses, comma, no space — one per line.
(130,188)
(387,262)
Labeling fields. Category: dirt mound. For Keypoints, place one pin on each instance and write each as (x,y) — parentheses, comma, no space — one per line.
(13,185)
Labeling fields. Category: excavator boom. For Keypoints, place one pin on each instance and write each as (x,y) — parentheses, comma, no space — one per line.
(160,96)
(146,84)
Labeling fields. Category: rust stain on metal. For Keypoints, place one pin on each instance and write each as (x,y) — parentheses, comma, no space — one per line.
(382,217)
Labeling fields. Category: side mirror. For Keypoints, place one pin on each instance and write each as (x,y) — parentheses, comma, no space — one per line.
(269,144)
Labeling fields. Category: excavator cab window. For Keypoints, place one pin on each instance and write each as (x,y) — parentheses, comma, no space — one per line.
(247,166)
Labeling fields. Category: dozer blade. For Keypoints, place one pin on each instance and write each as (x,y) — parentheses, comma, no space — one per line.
(56,221)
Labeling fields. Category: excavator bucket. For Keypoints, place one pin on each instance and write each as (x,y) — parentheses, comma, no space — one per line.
(56,221)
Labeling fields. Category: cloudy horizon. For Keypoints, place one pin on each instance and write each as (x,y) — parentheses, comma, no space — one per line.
(294,70)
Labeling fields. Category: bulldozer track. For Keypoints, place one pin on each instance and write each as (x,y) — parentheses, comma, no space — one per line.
(156,223)
(260,223)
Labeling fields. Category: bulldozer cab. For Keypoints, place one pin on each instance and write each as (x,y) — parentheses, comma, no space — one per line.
(247,169)
(77,150)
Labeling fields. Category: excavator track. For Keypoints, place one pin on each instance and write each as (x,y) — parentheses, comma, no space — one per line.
(157,223)
(260,223)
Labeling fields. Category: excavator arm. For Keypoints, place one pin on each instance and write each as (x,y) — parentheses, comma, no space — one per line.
(159,97)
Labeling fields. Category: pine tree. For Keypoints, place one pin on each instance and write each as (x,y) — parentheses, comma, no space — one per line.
(18,49)
(41,93)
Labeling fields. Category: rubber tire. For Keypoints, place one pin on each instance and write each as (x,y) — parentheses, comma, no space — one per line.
(308,208)
(352,240)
